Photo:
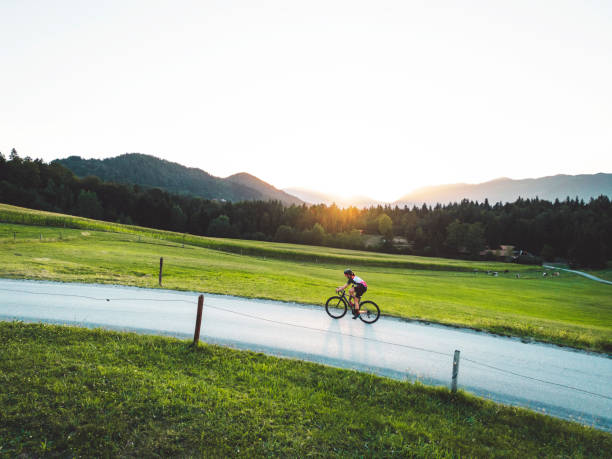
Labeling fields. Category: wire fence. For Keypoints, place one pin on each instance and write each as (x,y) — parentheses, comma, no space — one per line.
(65,234)
(306,327)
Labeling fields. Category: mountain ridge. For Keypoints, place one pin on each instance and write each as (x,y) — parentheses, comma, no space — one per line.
(150,171)
(504,189)
(560,186)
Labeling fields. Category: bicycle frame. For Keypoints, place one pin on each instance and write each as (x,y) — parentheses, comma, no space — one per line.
(346,297)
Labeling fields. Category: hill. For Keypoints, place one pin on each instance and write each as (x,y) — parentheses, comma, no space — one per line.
(149,171)
(584,186)
(265,189)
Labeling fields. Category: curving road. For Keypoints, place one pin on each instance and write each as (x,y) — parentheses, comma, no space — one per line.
(580,273)
(558,381)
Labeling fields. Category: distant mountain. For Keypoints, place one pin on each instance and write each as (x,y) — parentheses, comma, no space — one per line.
(149,171)
(507,190)
(252,182)
(316,197)
(146,170)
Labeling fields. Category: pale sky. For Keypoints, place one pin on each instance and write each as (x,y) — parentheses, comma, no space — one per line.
(400,94)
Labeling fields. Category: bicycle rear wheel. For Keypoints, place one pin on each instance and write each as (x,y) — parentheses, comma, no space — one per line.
(370,312)
(336,307)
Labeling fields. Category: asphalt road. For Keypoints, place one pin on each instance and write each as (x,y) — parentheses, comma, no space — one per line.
(557,381)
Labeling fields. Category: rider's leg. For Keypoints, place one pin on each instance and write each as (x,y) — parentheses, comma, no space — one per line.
(355,302)
(359,290)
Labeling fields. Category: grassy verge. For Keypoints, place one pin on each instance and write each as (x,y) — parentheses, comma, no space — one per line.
(77,392)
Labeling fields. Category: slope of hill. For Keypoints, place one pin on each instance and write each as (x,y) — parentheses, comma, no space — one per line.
(507,190)
(252,182)
(150,171)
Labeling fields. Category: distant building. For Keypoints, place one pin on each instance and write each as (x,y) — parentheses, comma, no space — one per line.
(504,250)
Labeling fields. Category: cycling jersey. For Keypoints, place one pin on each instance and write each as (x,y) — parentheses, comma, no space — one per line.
(357,281)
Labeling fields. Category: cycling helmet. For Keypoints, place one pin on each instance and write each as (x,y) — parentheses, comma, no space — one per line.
(349,272)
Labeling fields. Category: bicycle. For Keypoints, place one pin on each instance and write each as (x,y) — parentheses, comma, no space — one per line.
(336,307)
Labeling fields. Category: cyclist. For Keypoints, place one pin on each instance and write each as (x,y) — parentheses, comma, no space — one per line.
(357,291)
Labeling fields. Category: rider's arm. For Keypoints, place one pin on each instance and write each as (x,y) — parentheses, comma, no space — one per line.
(343,287)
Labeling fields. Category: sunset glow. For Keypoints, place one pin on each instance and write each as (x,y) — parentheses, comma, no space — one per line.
(354,98)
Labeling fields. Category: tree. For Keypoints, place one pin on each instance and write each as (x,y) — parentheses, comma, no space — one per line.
(318,234)
(88,205)
(456,236)
(409,224)
(178,218)
(355,240)
(220,226)
(547,253)
(588,250)
(385,226)
(475,241)
(420,239)
(284,233)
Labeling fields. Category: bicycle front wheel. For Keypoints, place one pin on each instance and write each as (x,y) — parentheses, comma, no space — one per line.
(336,307)
(370,312)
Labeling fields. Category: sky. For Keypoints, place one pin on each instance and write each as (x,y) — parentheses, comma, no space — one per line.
(353,97)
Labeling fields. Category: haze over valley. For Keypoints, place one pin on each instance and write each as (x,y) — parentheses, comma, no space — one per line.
(147,170)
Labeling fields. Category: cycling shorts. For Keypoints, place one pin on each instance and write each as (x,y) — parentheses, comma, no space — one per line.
(360,289)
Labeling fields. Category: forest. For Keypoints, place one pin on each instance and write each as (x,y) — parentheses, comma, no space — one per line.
(565,230)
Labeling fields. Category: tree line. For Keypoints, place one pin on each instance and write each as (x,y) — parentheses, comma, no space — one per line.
(570,229)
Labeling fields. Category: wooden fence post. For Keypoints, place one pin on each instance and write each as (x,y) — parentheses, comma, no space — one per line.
(161,267)
(455,371)
(196,335)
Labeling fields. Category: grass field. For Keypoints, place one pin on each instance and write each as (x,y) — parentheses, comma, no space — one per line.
(71,392)
(290,252)
(568,310)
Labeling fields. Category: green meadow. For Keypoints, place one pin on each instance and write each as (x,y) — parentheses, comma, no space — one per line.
(568,310)
(73,392)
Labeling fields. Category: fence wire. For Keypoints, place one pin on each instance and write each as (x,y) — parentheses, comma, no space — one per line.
(93,298)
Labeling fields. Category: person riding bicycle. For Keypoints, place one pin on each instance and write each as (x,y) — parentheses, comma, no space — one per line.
(357,291)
